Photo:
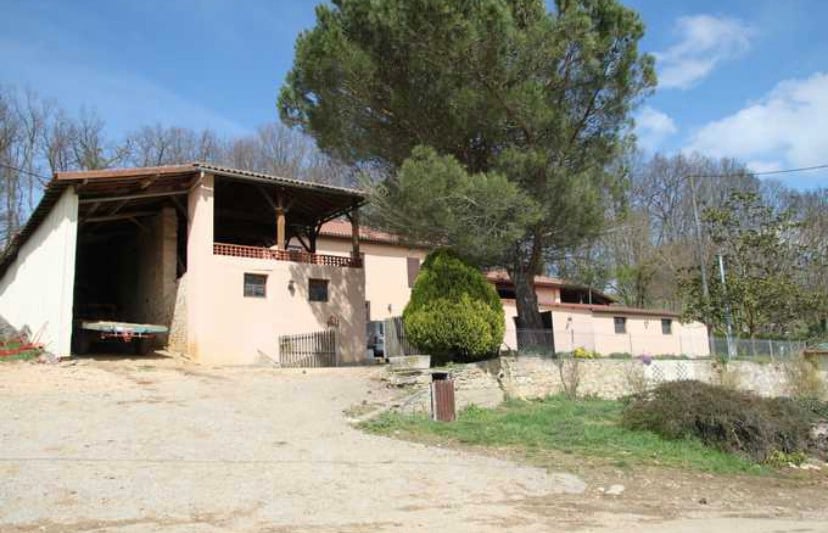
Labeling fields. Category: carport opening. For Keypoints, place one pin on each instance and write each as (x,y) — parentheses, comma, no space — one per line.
(126,271)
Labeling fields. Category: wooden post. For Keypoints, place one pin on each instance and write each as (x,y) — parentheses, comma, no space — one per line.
(355,233)
(280,228)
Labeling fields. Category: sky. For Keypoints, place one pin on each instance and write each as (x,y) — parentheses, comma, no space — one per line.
(737,78)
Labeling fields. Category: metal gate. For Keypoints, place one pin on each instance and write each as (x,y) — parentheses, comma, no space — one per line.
(309,350)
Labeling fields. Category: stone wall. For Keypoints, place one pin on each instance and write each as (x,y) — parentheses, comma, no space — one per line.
(488,383)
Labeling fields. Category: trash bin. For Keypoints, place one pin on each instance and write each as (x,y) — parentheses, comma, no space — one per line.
(442,397)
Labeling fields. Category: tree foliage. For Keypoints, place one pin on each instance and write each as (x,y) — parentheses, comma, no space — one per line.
(764,289)
(454,314)
(479,215)
(505,87)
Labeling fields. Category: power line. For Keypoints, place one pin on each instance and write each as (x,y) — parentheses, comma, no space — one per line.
(24,171)
(765,173)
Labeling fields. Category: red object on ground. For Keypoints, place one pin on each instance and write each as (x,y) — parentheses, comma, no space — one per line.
(17,350)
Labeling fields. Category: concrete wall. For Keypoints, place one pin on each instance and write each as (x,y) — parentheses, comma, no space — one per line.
(36,292)
(386,273)
(225,327)
(644,336)
(574,328)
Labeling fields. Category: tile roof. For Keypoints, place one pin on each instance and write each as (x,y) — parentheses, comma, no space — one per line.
(115,178)
(342,229)
(136,172)
(618,310)
(501,276)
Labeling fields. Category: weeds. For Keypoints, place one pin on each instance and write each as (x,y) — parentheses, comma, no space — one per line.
(587,427)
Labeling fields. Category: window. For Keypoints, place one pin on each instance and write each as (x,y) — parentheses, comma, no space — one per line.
(413,270)
(318,290)
(620,324)
(666,326)
(255,285)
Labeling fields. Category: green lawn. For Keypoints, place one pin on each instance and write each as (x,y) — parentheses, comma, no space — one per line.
(587,427)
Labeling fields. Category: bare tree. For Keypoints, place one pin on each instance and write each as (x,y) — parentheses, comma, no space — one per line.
(89,146)
(159,145)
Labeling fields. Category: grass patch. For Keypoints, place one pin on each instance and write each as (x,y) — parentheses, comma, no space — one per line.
(9,347)
(24,356)
(587,427)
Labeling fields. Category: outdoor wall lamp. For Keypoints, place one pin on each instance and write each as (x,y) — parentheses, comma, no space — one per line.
(291,287)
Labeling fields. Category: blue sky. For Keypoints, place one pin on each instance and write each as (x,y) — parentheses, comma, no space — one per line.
(741,78)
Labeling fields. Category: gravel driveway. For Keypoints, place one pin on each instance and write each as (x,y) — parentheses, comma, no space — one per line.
(155,444)
(136,446)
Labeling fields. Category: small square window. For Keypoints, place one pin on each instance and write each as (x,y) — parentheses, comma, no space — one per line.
(666,326)
(318,290)
(620,324)
(255,285)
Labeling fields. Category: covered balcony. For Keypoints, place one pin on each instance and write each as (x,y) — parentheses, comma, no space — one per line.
(258,216)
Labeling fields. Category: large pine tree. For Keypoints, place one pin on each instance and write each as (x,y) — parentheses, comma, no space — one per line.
(531,105)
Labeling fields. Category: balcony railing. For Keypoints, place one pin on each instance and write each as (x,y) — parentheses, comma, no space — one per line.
(296,256)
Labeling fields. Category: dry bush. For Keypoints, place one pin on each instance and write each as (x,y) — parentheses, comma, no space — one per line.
(721,418)
(569,369)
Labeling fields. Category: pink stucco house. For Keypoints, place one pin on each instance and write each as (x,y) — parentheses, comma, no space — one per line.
(235,264)
(198,248)
(576,316)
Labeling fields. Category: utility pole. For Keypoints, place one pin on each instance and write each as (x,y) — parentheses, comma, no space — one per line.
(728,318)
(699,240)
(702,266)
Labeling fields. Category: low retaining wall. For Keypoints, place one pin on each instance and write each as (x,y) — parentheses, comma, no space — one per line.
(488,383)
(612,378)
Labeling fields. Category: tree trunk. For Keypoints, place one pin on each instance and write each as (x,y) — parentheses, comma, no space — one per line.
(523,274)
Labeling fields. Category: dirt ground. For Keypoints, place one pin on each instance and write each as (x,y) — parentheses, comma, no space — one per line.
(158,444)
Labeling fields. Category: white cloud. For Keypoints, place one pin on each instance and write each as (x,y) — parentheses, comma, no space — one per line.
(705,41)
(652,127)
(788,127)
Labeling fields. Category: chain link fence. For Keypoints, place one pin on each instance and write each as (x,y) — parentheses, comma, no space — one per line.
(757,348)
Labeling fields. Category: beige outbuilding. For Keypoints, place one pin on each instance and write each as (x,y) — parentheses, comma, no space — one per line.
(199,249)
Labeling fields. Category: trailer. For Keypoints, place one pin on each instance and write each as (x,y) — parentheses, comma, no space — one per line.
(141,336)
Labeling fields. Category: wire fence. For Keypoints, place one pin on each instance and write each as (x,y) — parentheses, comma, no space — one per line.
(757,348)
(548,342)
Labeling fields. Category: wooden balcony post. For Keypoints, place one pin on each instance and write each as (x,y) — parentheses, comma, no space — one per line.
(280,228)
(355,233)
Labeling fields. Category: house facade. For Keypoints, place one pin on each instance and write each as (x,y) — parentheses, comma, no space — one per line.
(197,248)
(575,316)
(235,262)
